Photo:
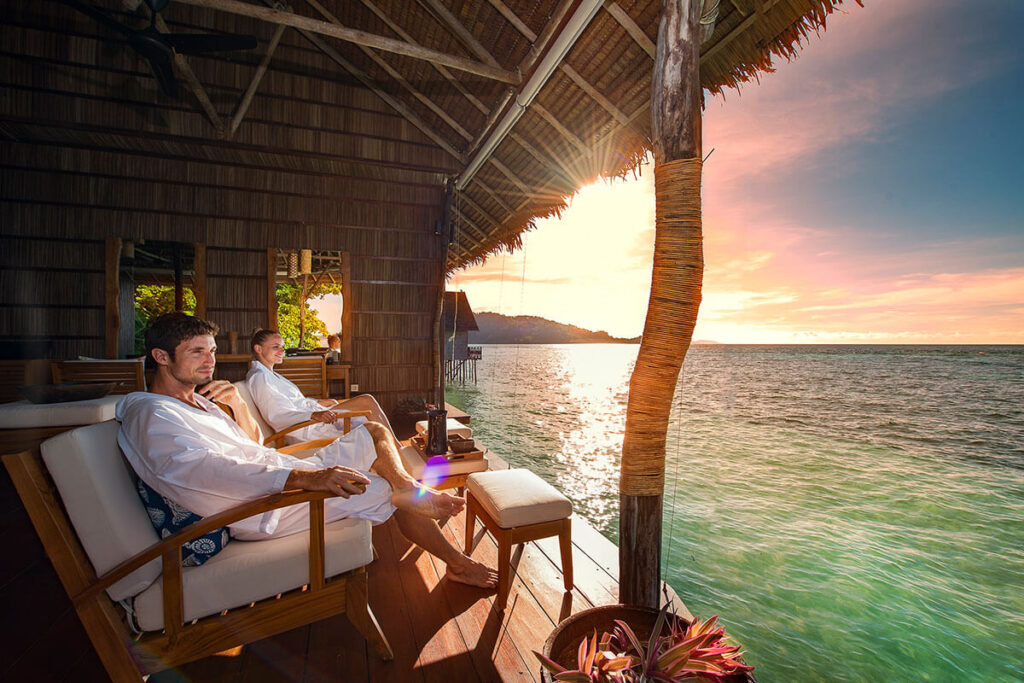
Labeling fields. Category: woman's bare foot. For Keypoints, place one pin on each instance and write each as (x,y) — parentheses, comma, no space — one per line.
(471,572)
(428,502)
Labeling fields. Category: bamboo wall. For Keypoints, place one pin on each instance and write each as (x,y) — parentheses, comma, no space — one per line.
(90,149)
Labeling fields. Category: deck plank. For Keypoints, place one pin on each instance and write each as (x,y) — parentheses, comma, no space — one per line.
(337,652)
(440,644)
(494,655)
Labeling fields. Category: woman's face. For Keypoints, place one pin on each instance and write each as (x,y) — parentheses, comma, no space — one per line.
(271,351)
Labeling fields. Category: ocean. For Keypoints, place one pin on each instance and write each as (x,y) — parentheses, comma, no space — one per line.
(853,513)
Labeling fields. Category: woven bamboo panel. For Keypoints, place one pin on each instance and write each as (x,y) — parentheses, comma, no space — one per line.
(390,298)
(17,322)
(376,325)
(380,352)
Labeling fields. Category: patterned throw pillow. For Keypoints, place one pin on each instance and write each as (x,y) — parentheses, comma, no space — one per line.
(168,518)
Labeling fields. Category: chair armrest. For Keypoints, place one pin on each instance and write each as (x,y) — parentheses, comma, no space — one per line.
(305,446)
(345,415)
(197,529)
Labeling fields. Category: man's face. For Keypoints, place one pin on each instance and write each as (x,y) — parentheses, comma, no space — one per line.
(194,360)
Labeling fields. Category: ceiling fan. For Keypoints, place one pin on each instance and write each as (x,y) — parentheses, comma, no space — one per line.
(158,48)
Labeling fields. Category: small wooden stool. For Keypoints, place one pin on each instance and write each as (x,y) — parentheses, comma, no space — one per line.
(517,506)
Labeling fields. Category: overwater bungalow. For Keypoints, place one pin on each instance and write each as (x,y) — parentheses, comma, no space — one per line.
(397,141)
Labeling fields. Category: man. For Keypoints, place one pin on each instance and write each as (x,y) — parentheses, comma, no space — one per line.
(188,450)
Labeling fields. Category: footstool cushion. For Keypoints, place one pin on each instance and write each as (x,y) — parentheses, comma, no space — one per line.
(517,497)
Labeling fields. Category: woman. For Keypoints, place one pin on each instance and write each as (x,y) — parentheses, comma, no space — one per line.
(282,404)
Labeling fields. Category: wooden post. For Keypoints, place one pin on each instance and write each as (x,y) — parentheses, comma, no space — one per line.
(675,298)
(272,289)
(199,278)
(112,291)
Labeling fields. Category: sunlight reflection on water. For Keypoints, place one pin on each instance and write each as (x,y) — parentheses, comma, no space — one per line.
(842,507)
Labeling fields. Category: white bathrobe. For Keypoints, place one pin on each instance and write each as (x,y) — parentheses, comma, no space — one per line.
(202,460)
(282,404)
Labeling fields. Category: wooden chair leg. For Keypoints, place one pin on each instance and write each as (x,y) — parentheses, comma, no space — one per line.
(470,522)
(504,570)
(358,611)
(565,545)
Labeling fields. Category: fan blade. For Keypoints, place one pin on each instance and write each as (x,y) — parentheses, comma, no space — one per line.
(199,43)
(100,17)
(164,74)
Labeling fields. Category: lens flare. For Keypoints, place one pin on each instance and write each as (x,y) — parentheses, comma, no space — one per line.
(434,472)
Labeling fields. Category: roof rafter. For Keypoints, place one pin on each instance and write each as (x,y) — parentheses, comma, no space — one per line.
(397,105)
(404,35)
(461,32)
(586,87)
(250,92)
(632,28)
(359,37)
(514,20)
(394,73)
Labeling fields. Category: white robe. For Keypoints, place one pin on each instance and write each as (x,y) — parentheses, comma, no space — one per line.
(282,404)
(202,460)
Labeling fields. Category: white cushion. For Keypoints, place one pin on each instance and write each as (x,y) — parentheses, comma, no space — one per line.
(247,571)
(518,497)
(22,414)
(454,427)
(414,464)
(98,490)
(243,390)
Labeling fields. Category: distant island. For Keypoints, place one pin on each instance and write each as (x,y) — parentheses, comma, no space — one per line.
(496,328)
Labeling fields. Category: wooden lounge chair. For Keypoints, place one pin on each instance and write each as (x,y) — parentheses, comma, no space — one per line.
(129,374)
(276,439)
(80,495)
(308,373)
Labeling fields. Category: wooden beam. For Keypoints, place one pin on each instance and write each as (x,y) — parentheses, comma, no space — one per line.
(514,19)
(463,197)
(507,172)
(473,99)
(394,73)
(494,195)
(272,289)
(585,86)
(463,34)
(557,125)
(395,104)
(193,83)
(250,92)
(111,294)
(199,277)
(632,28)
(359,37)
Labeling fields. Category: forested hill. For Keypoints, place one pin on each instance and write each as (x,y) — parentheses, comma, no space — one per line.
(528,329)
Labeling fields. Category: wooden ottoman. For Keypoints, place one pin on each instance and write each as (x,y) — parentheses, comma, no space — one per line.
(517,506)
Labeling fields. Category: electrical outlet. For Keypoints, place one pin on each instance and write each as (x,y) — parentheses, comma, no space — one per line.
(353,387)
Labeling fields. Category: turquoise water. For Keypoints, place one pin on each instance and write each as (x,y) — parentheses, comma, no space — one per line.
(854,513)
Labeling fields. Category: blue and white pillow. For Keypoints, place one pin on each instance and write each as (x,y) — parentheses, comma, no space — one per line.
(168,518)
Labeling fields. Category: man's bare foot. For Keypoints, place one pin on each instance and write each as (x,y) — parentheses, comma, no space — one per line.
(471,572)
(429,503)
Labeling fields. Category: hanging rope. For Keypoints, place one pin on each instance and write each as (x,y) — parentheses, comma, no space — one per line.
(671,315)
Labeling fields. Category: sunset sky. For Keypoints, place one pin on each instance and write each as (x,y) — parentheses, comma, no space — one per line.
(872,190)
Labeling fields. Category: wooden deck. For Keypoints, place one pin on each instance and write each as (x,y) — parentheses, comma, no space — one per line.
(439,630)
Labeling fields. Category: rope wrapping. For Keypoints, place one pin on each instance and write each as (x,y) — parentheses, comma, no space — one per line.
(671,315)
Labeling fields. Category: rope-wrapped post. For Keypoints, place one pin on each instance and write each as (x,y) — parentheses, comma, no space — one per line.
(675,297)
(671,316)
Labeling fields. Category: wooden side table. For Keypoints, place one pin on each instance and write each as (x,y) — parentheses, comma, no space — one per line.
(339,372)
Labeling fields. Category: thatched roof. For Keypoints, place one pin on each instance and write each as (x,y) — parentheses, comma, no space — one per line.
(457,313)
(447,72)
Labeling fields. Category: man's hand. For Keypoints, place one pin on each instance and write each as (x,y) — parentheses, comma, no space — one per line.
(341,481)
(221,391)
(325,416)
